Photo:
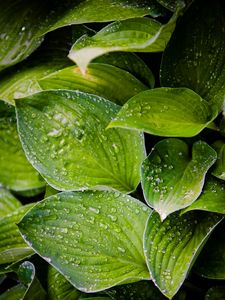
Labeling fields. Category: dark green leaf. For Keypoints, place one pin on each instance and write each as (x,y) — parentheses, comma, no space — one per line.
(131,35)
(210,263)
(171,4)
(16,172)
(12,246)
(64,137)
(8,203)
(166,112)
(171,179)
(94,238)
(60,288)
(14,293)
(219,169)
(195,56)
(216,293)
(99,79)
(171,247)
(212,198)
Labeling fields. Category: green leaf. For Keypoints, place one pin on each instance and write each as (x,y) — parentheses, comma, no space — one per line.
(212,198)
(166,112)
(59,287)
(195,57)
(171,179)
(14,293)
(8,203)
(211,261)
(171,4)
(129,62)
(94,238)
(64,137)
(21,80)
(171,247)
(30,20)
(131,35)
(100,79)
(216,293)
(16,172)
(219,168)
(12,246)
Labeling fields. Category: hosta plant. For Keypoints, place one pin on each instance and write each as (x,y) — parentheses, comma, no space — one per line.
(112,149)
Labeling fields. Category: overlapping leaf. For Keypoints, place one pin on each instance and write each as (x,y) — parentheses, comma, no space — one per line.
(166,112)
(171,179)
(63,134)
(195,55)
(211,199)
(219,168)
(171,247)
(16,172)
(93,238)
(131,35)
(12,246)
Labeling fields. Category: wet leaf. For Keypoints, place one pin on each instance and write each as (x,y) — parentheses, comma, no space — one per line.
(14,293)
(211,261)
(219,168)
(195,57)
(8,203)
(171,4)
(216,293)
(63,134)
(30,20)
(94,238)
(12,246)
(100,79)
(211,199)
(59,287)
(131,35)
(16,172)
(166,112)
(171,247)
(171,179)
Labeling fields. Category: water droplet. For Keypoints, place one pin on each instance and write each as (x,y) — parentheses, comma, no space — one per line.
(122,250)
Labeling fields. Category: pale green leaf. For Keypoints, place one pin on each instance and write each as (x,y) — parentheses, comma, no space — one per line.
(166,112)
(219,168)
(171,247)
(216,293)
(8,203)
(63,134)
(211,261)
(212,198)
(16,172)
(131,35)
(94,238)
(23,23)
(12,246)
(195,56)
(99,79)
(59,287)
(171,178)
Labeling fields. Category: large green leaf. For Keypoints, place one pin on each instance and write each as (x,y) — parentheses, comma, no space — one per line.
(64,137)
(94,238)
(171,179)
(216,293)
(12,246)
(195,56)
(14,293)
(171,247)
(59,287)
(219,169)
(100,79)
(131,35)
(210,263)
(29,20)
(166,112)
(212,197)
(16,172)
(8,203)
